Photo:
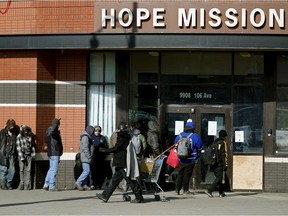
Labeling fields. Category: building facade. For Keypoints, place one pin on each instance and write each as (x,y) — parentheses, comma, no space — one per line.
(221,63)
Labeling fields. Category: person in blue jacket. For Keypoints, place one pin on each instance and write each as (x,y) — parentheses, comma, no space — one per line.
(186,166)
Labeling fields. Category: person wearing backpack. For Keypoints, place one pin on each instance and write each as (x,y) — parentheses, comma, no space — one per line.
(139,141)
(186,165)
(220,166)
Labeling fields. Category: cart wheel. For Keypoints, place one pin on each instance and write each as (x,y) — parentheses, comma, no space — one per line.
(126,198)
(157,197)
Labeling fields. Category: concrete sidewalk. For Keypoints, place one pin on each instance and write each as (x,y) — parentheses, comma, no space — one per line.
(73,202)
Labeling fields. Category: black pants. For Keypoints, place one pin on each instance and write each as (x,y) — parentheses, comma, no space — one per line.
(117,178)
(185,172)
(218,172)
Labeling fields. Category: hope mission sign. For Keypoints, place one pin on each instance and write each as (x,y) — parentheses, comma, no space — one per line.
(180,17)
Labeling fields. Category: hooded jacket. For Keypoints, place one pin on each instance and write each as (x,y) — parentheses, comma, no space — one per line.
(196,144)
(25,143)
(153,140)
(120,149)
(86,145)
(54,141)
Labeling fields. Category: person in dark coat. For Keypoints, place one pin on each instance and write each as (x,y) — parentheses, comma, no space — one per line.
(221,165)
(54,152)
(119,161)
(8,155)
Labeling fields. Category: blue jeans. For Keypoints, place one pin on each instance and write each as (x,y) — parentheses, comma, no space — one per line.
(7,172)
(83,178)
(50,180)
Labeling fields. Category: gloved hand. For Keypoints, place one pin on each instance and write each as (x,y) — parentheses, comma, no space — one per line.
(225,169)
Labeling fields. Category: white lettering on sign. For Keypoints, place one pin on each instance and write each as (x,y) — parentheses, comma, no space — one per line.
(125,17)
(257,17)
(188,18)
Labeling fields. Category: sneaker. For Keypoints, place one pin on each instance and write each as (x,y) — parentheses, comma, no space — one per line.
(209,194)
(21,187)
(92,187)
(45,188)
(79,187)
(4,187)
(53,190)
(135,201)
(222,195)
(10,187)
(187,193)
(100,196)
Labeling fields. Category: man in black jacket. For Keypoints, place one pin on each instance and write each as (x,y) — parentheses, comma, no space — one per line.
(221,165)
(54,152)
(8,155)
(119,161)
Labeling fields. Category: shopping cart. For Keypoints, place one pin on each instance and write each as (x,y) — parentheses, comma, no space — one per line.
(150,182)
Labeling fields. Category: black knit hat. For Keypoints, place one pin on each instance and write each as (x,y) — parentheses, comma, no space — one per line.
(122,126)
(222,134)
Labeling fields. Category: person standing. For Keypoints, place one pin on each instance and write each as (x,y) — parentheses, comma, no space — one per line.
(153,138)
(220,166)
(26,153)
(186,165)
(7,155)
(86,155)
(120,163)
(97,172)
(54,152)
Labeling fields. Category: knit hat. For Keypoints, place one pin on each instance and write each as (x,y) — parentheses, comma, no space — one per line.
(190,124)
(122,126)
(222,134)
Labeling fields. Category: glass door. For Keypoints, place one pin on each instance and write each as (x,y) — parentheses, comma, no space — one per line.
(209,120)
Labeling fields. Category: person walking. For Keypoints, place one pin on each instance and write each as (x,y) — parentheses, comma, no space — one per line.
(120,163)
(220,166)
(54,152)
(7,155)
(186,165)
(86,155)
(26,153)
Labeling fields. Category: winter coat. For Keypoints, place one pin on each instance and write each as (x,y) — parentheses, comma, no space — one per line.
(196,145)
(54,141)
(120,149)
(153,139)
(25,143)
(5,149)
(86,145)
(137,132)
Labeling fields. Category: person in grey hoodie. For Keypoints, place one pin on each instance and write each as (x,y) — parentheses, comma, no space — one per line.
(86,156)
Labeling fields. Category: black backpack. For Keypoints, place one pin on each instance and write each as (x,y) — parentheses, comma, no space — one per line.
(213,153)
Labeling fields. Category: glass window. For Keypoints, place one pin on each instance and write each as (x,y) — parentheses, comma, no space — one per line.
(102,67)
(102,94)
(282,105)
(248,67)
(143,88)
(196,67)
(248,120)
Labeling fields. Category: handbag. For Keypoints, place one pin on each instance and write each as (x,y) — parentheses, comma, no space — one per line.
(172,159)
